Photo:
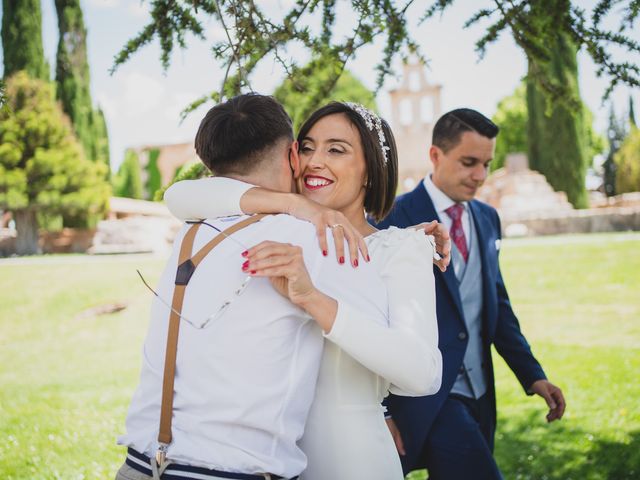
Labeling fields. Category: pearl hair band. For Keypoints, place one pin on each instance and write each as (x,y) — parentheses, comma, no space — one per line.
(372,121)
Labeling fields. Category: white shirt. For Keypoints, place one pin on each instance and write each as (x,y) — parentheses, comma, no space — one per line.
(244,383)
(441,202)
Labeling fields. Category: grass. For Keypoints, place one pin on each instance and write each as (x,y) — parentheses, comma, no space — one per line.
(578,301)
(66,378)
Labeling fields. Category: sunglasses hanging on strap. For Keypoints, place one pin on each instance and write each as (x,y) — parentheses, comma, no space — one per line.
(187,264)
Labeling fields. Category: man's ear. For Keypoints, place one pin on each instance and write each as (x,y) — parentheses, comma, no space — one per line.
(434,154)
(294,160)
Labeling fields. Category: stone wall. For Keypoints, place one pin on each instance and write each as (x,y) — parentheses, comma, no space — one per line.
(135,226)
(614,219)
(132,226)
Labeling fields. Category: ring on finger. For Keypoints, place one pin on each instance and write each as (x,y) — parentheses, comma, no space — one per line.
(336,225)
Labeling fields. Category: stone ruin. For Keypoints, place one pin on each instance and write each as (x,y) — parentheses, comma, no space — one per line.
(135,226)
(516,190)
(415,106)
(529,206)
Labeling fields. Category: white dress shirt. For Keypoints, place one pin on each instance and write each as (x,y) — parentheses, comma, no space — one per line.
(441,202)
(245,382)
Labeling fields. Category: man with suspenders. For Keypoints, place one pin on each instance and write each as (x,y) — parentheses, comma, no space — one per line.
(229,365)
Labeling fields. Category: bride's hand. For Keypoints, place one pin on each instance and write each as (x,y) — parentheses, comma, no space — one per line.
(283,264)
(443,242)
(323,217)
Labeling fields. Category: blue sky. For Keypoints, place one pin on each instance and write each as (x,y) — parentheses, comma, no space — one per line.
(142,103)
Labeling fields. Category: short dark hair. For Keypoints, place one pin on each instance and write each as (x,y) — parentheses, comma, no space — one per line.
(450,127)
(233,135)
(382,177)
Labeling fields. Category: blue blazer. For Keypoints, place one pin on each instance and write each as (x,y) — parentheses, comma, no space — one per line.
(415,415)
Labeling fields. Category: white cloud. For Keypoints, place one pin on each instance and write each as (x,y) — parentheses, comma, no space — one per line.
(107,105)
(215,32)
(276,5)
(177,103)
(141,94)
(138,8)
(185,131)
(104,3)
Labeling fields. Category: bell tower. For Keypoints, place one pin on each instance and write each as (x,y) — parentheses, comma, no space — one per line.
(415,107)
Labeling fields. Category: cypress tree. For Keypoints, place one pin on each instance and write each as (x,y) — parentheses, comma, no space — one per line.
(102,136)
(127,181)
(72,77)
(627,160)
(22,38)
(616,133)
(556,131)
(632,115)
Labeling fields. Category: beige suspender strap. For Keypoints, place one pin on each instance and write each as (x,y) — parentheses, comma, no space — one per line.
(186,266)
(197,258)
(166,408)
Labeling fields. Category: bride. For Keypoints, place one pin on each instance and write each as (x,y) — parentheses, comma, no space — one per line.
(348,161)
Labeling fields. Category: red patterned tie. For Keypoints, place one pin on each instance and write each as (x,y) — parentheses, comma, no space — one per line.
(457,232)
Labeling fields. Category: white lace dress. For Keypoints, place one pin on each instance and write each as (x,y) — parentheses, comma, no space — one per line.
(346,437)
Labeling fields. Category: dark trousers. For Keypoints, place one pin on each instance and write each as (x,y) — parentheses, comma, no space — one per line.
(460,442)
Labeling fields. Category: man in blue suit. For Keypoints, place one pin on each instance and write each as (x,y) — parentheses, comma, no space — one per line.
(451,433)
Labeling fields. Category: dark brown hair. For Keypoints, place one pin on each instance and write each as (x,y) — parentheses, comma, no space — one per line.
(234,135)
(450,127)
(382,179)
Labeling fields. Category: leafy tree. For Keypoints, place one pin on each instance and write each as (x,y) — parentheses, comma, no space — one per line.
(42,166)
(185,172)
(556,130)
(102,136)
(72,78)
(252,36)
(180,171)
(347,88)
(596,143)
(22,38)
(627,160)
(616,133)
(3,95)
(127,182)
(511,117)
(154,178)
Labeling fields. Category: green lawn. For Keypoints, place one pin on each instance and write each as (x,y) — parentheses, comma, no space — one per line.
(66,378)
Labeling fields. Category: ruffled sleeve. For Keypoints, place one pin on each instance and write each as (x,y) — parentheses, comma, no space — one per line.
(205,198)
(406,352)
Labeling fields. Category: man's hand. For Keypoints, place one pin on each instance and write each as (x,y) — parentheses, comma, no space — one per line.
(553,396)
(443,242)
(395,433)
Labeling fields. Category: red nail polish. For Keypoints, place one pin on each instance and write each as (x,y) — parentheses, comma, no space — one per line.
(368,258)
(253,272)
(325,253)
(355,262)
(245,253)
(341,260)
(245,265)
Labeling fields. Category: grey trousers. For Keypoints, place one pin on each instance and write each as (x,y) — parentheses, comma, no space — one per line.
(128,473)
